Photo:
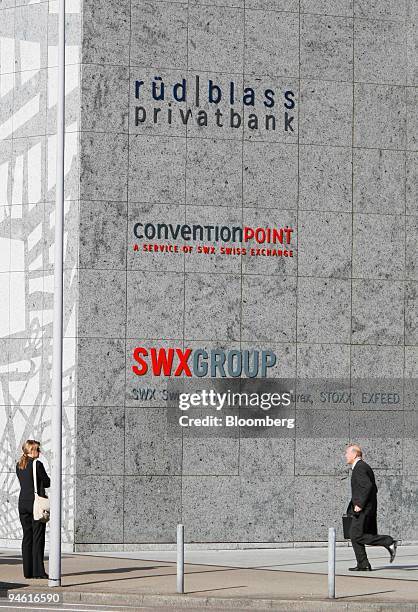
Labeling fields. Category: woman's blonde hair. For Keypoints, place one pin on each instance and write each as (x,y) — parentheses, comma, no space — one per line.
(28,447)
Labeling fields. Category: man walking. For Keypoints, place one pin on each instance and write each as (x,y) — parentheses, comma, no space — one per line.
(363,509)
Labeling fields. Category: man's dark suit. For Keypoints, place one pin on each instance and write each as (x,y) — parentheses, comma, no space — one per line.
(33,543)
(364,523)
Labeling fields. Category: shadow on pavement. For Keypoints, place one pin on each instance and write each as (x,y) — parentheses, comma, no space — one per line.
(363,594)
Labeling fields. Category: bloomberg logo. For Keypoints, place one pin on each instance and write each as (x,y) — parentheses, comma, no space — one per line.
(215,363)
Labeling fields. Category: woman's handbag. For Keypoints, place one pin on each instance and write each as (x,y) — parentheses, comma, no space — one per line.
(41,508)
(347,518)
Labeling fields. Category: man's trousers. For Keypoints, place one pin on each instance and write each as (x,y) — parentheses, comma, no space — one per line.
(359,539)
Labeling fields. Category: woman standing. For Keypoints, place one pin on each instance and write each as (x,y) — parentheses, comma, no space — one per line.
(33,543)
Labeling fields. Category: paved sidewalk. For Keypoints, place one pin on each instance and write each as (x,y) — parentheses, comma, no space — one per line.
(279,579)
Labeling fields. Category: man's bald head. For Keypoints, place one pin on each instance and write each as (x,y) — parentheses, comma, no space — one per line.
(352,452)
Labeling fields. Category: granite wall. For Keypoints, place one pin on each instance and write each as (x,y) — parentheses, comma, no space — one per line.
(343,174)
(345,306)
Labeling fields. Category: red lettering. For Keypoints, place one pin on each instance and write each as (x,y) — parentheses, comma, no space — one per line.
(183,366)
(137,356)
(162,361)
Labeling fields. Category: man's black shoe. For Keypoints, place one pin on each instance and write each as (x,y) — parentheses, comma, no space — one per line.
(366,568)
(42,577)
(392,551)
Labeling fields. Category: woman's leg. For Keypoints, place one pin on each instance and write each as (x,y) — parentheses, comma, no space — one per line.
(38,548)
(27,542)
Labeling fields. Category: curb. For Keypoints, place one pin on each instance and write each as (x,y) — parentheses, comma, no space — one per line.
(219,603)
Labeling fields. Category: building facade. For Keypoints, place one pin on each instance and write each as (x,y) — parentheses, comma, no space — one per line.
(192,128)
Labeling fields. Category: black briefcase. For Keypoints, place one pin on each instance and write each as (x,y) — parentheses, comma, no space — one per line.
(347,518)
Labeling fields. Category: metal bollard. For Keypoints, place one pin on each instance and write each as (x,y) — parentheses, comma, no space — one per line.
(331,562)
(180,558)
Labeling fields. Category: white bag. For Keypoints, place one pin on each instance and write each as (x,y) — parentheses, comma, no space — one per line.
(41,508)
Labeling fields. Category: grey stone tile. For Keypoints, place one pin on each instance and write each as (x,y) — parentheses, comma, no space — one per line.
(323,361)
(101,384)
(101,312)
(378,309)
(324,244)
(267,456)
(72,167)
(157,169)
(412,118)
(152,508)
(378,246)
(72,99)
(379,116)
(106,32)
(215,38)
(325,178)
(409,508)
(31,28)
(382,9)
(285,365)
(271,43)
(30,103)
(152,445)
(93,521)
(326,119)
(212,305)
(5,156)
(150,296)
(411,44)
(411,183)
(210,456)
(326,48)
(270,175)
(7,4)
(389,511)
(327,7)
(145,258)
(160,117)
(278,123)
(410,443)
(102,235)
(228,3)
(6,108)
(324,429)
(73,25)
(143,388)
(310,525)
(323,310)
(160,34)
(379,181)
(411,313)
(273,5)
(104,98)
(219,261)
(222,120)
(379,51)
(257,260)
(412,248)
(103,166)
(7,25)
(272,499)
(213,173)
(94,425)
(209,508)
(379,433)
(268,309)
(377,361)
